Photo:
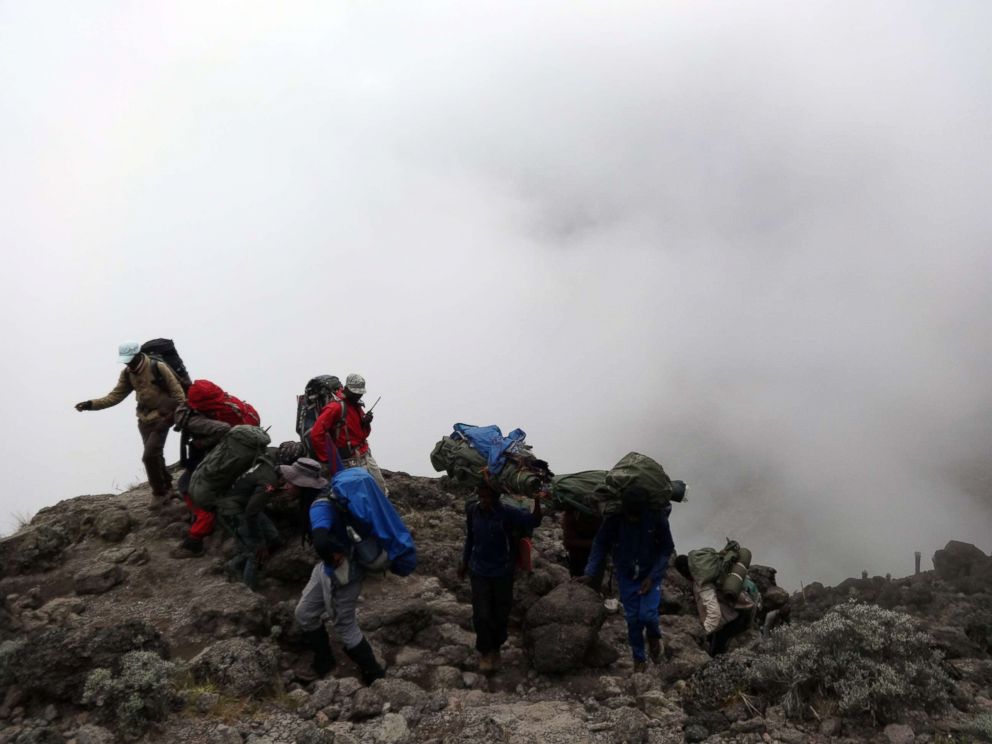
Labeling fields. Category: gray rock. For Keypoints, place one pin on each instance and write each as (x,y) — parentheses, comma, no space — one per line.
(558,648)
(958,560)
(831,727)
(446,677)
(683,657)
(224,734)
(400,693)
(629,726)
(309,733)
(348,686)
(366,703)
(393,729)
(977,671)
(695,732)
(954,642)
(238,666)
(113,524)
(91,734)
(398,622)
(98,578)
(322,696)
(899,733)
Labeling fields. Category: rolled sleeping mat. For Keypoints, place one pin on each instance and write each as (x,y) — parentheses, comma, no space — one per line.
(733,582)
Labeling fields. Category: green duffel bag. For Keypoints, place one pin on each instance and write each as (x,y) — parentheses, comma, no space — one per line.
(456,458)
(705,565)
(225,463)
(635,470)
(583,491)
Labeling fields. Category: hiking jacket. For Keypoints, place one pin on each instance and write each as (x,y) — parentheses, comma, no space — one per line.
(155,404)
(249,495)
(351,435)
(640,549)
(491,536)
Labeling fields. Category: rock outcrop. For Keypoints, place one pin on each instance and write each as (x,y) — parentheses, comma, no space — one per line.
(92,600)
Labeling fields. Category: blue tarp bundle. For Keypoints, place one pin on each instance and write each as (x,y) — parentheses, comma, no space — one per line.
(367,503)
(490,443)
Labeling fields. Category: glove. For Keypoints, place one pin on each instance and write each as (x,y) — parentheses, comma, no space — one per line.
(86,405)
(367,418)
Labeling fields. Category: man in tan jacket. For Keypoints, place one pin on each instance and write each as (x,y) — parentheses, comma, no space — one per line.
(158,393)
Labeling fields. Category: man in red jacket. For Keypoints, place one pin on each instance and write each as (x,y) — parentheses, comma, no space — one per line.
(344,426)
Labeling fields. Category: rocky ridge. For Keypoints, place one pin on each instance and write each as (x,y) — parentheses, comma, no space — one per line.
(104,638)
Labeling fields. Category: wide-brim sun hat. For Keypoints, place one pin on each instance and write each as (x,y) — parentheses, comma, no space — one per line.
(304,473)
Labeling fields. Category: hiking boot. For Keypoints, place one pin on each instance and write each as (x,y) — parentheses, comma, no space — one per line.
(323,656)
(188,548)
(654,649)
(640,667)
(364,658)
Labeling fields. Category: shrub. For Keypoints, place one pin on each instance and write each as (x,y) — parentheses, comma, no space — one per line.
(139,694)
(865,662)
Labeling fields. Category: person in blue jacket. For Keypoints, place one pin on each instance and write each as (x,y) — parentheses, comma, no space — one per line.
(334,586)
(641,543)
(493,530)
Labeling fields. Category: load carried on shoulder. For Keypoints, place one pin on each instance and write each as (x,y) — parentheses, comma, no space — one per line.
(601,491)
(225,463)
(380,539)
(726,568)
(583,491)
(475,454)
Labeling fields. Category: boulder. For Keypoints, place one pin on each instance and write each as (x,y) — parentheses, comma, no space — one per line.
(32,549)
(400,693)
(397,622)
(958,560)
(899,733)
(113,524)
(53,663)
(562,627)
(239,666)
(97,578)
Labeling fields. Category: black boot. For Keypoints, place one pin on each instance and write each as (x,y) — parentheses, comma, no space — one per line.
(363,656)
(323,657)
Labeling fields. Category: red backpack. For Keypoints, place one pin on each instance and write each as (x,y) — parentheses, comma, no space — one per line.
(207,398)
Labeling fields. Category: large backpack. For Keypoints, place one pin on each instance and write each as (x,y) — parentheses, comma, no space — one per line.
(381,539)
(726,568)
(636,471)
(205,397)
(225,463)
(318,393)
(163,351)
(583,491)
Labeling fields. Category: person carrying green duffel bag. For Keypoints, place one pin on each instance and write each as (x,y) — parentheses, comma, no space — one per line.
(226,462)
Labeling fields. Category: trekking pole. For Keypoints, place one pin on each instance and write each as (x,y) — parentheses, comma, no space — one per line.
(374,405)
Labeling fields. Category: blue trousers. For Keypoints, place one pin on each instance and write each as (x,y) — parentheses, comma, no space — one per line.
(641,611)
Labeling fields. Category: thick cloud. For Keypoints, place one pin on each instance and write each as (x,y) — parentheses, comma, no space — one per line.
(750,241)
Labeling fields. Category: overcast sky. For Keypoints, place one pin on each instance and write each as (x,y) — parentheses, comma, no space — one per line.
(750,240)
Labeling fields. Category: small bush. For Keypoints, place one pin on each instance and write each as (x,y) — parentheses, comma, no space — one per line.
(139,694)
(983,726)
(864,662)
